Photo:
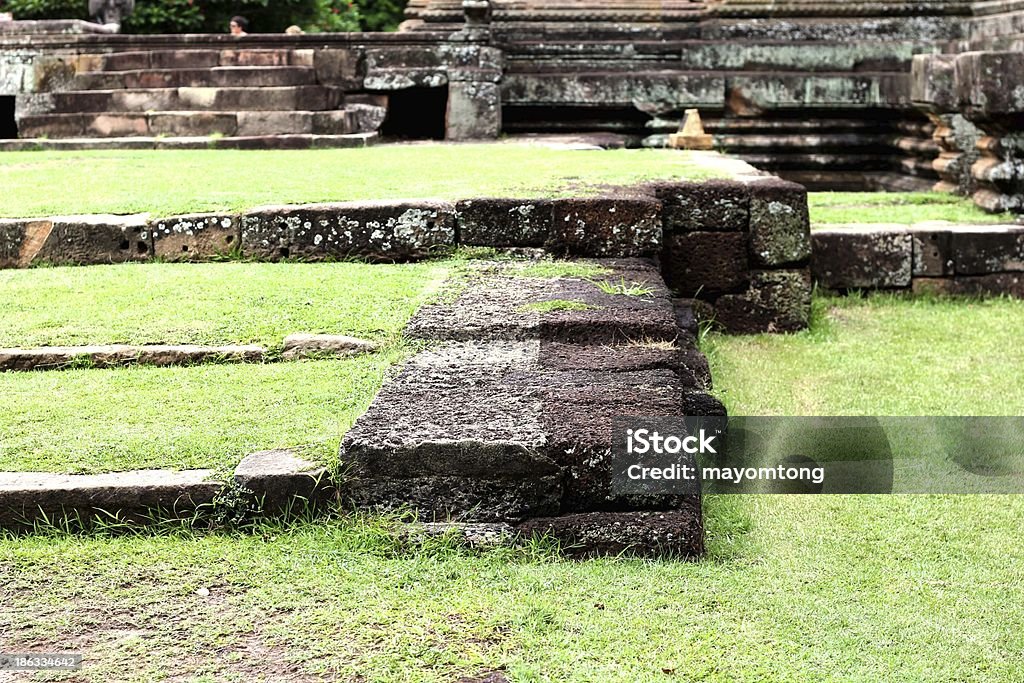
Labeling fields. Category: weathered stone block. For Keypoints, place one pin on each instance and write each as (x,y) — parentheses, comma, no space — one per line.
(364,118)
(703,263)
(994,284)
(12,236)
(933,251)
(196,237)
(579,408)
(777,301)
(87,240)
(877,257)
(989,83)
(339,67)
(651,534)
(275,122)
(488,222)
(779,224)
(377,231)
(318,345)
(606,226)
(933,83)
(982,250)
(474,110)
(279,479)
(712,205)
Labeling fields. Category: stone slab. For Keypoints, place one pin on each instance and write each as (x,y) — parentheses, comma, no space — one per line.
(280,478)
(496,303)
(677,533)
(376,231)
(712,205)
(496,222)
(863,257)
(59,357)
(196,237)
(24,495)
(611,226)
(318,345)
(75,240)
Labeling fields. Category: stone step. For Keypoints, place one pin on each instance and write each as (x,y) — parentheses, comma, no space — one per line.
(188,123)
(219,76)
(303,141)
(198,59)
(283,98)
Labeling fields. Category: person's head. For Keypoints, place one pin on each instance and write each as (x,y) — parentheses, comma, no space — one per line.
(239,26)
(294,30)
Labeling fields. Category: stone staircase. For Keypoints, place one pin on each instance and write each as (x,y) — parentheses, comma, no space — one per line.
(264,97)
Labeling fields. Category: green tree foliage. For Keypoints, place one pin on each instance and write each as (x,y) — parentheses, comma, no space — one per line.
(380,15)
(212,16)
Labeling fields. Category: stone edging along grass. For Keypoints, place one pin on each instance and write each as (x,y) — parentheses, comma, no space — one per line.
(741,247)
(296,346)
(269,482)
(927,258)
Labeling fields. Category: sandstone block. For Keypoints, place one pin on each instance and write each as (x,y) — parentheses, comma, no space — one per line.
(779,224)
(195,237)
(875,257)
(606,226)
(504,222)
(777,301)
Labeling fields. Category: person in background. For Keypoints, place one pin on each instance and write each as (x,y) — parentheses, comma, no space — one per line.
(294,30)
(239,26)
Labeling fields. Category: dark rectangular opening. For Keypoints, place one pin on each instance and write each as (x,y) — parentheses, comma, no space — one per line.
(8,124)
(416,114)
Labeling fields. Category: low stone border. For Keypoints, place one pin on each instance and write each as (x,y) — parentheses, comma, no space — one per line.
(739,246)
(265,482)
(292,141)
(933,257)
(58,357)
(295,347)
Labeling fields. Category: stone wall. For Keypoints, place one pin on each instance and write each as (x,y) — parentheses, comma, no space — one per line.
(977,98)
(739,248)
(926,258)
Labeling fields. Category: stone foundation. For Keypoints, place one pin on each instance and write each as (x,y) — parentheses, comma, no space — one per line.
(741,247)
(933,258)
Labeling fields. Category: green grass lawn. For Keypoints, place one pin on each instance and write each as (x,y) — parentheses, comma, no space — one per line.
(171,182)
(211,303)
(897,207)
(851,589)
(913,589)
(209,416)
(881,355)
(92,420)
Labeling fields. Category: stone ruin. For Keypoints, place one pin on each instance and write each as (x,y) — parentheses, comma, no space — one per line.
(834,95)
